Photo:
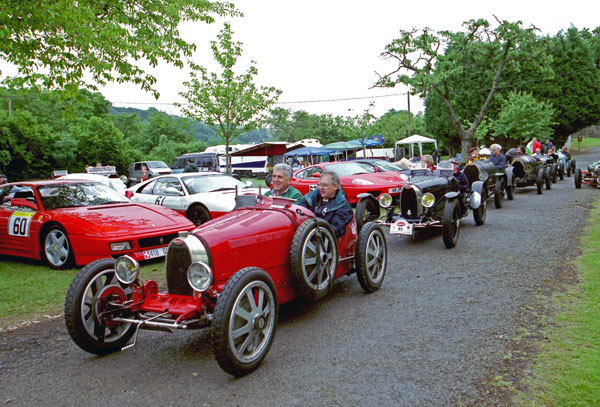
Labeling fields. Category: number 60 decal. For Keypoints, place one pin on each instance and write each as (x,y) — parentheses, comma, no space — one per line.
(19,223)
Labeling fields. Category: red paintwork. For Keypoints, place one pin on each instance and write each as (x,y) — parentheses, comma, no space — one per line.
(381,182)
(259,237)
(90,229)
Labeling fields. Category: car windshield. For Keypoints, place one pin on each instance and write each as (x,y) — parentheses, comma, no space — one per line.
(387,166)
(349,168)
(78,194)
(210,183)
(157,164)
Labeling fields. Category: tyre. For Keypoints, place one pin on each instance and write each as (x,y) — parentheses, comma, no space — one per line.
(313,258)
(539,181)
(510,192)
(568,168)
(371,257)
(577,177)
(366,210)
(245,320)
(554,173)
(480,213)
(548,177)
(561,171)
(84,303)
(499,191)
(451,223)
(268,179)
(57,249)
(198,214)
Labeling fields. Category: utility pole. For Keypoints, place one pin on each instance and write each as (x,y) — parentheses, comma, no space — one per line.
(408,99)
(9,106)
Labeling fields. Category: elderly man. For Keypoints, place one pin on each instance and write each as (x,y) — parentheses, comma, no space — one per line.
(499,160)
(328,202)
(282,176)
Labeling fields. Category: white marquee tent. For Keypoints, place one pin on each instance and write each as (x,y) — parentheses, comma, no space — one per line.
(416,139)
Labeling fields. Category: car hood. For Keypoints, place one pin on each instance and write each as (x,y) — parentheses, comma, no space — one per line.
(379,178)
(122,219)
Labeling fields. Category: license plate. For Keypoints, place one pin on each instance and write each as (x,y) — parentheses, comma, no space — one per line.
(394,190)
(152,253)
(401,227)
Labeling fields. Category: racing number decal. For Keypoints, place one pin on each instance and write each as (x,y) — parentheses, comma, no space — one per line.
(159,200)
(19,223)
(312,187)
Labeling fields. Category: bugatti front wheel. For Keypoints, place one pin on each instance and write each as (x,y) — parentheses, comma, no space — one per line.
(90,296)
(371,260)
(451,223)
(245,319)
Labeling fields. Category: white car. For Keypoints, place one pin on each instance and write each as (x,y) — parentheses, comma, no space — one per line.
(114,183)
(200,196)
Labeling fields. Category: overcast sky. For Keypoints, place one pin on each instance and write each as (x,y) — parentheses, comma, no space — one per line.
(317,50)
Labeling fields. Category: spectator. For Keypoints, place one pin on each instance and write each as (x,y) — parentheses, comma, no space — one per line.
(295,162)
(191,166)
(427,160)
(328,202)
(282,176)
(3,179)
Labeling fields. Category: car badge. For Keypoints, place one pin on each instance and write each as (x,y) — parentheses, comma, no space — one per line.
(161,240)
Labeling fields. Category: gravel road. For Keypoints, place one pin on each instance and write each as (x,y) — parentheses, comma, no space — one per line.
(448,327)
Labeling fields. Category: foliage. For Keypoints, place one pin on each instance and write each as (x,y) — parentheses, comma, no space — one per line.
(55,44)
(463,68)
(521,118)
(226,102)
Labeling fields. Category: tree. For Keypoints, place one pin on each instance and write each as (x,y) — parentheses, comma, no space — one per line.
(523,117)
(226,102)
(432,62)
(55,43)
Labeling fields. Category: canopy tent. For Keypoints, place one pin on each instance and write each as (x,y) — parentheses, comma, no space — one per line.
(416,139)
(342,146)
(306,151)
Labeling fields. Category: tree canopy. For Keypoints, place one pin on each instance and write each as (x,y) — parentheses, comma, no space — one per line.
(55,43)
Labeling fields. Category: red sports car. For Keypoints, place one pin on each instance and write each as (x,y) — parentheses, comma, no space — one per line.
(68,222)
(229,274)
(355,178)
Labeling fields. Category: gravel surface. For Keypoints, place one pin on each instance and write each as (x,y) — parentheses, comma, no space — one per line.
(448,327)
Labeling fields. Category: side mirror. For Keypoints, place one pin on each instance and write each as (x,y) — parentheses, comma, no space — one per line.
(129,194)
(316,175)
(22,202)
(172,191)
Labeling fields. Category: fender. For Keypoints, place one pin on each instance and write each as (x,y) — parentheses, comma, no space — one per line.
(478,186)
(368,196)
(508,172)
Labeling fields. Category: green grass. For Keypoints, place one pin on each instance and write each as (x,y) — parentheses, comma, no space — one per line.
(567,370)
(30,290)
(586,143)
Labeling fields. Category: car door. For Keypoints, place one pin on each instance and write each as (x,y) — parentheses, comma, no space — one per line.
(164,191)
(15,221)
(305,181)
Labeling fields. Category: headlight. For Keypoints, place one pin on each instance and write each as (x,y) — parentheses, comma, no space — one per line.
(385,200)
(359,181)
(483,176)
(428,200)
(475,200)
(127,269)
(199,276)
(120,246)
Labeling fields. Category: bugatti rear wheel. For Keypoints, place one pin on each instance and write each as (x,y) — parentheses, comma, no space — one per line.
(371,260)
(451,223)
(499,191)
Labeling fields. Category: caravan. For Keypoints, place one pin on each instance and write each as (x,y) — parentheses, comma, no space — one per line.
(242,165)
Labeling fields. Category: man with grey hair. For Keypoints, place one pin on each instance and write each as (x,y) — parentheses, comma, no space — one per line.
(329,202)
(498,159)
(282,177)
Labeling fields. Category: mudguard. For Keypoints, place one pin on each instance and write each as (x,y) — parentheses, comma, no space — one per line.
(508,172)
(478,186)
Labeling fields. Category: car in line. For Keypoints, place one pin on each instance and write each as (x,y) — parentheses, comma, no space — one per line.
(229,275)
(200,196)
(355,179)
(589,177)
(74,222)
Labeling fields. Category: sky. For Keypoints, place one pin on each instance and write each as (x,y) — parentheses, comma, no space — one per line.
(326,53)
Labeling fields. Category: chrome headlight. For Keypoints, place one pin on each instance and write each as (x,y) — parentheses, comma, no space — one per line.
(483,176)
(475,200)
(428,200)
(199,276)
(385,200)
(127,269)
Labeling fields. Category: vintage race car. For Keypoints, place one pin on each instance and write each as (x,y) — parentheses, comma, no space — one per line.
(529,170)
(69,222)
(428,199)
(589,177)
(354,177)
(200,196)
(230,274)
(568,164)
(552,168)
(498,183)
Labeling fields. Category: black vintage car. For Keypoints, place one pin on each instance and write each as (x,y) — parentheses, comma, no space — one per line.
(551,167)
(427,199)
(589,177)
(529,170)
(497,182)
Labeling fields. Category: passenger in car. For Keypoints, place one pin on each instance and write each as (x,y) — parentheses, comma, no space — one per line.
(329,202)
(282,177)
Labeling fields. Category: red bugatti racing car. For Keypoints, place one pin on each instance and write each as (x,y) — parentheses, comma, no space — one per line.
(229,274)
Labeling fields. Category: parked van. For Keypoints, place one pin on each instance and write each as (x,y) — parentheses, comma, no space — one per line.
(145,170)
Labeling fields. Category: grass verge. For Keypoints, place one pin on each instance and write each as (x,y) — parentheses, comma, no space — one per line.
(31,291)
(566,372)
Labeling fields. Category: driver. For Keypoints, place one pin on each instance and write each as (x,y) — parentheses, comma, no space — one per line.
(328,202)
(463,183)
(282,176)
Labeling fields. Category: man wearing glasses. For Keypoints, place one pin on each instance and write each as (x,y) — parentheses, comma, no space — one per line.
(329,202)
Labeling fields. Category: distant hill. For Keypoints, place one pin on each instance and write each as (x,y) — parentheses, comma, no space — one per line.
(201,131)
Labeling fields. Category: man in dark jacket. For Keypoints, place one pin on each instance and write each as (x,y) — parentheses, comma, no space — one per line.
(328,202)
(191,166)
